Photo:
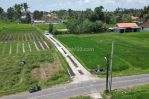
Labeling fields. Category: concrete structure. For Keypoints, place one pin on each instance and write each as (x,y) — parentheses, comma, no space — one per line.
(36,22)
(127,27)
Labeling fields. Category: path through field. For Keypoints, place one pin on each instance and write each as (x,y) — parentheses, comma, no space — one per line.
(80,73)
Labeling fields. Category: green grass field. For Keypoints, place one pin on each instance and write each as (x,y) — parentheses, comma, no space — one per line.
(131,51)
(131,93)
(44,65)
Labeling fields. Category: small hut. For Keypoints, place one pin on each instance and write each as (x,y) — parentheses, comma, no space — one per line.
(127,27)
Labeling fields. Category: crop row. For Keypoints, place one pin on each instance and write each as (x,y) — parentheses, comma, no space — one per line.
(22,47)
(6,37)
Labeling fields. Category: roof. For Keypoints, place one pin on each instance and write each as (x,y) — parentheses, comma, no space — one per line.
(146,24)
(126,25)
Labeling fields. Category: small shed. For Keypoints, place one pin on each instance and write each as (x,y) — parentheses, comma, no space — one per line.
(145,25)
(127,27)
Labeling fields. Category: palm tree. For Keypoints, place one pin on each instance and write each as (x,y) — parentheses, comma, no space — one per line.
(25,5)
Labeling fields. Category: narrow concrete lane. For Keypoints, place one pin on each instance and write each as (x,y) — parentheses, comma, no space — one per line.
(81,74)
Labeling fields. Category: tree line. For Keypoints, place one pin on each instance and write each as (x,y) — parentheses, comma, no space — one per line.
(98,20)
(20,13)
(88,21)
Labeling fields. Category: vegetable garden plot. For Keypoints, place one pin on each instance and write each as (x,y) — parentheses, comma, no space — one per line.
(22,42)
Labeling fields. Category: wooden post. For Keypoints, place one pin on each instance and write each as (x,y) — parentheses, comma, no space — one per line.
(107,74)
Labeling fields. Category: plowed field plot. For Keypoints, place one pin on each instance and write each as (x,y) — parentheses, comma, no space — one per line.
(43,65)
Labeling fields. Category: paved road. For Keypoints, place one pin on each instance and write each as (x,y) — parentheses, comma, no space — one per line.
(86,87)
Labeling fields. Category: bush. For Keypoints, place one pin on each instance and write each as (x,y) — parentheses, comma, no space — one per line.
(87,26)
(50,28)
(56,32)
(72,25)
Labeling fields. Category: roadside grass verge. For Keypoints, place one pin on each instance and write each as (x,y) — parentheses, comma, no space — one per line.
(130,51)
(140,92)
(81,97)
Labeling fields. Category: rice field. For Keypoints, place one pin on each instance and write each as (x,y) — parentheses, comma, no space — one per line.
(131,51)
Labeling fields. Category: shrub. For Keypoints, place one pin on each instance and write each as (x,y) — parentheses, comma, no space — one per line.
(56,32)
(50,28)
(87,26)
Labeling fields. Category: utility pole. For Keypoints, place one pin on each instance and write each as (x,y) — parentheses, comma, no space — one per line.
(111,63)
(107,72)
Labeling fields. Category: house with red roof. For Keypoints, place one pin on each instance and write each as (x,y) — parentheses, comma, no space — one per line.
(127,27)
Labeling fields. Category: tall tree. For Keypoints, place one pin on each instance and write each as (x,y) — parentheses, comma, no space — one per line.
(11,14)
(1,10)
(18,9)
(37,15)
(25,5)
(99,14)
